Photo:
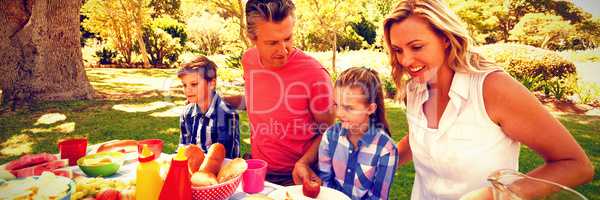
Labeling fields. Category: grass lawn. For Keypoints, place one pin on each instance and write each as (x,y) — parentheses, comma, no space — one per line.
(155,115)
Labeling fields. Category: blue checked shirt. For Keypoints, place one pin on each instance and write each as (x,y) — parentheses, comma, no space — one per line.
(363,173)
(220,124)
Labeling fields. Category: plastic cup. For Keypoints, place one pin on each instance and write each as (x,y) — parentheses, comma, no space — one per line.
(72,149)
(253,179)
(156,145)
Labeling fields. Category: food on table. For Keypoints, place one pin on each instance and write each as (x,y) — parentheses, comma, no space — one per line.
(6,175)
(30,160)
(109,194)
(97,161)
(46,186)
(101,164)
(311,188)
(64,172)
(90,187)
(37,170)
(34,165)
(195,157)
(214,159)
(123,146)
(232,169)
(203,179)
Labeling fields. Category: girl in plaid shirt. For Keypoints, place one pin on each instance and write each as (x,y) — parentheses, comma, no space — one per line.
(357,156)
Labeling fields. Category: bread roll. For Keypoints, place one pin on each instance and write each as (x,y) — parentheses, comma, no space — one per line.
(232,169)
(195,157)
(203,179)
(214,159)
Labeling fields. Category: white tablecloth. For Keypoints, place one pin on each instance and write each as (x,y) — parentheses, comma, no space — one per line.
(128,170)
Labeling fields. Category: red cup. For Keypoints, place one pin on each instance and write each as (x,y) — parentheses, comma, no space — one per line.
(72,149)
(253,179)
(156,145)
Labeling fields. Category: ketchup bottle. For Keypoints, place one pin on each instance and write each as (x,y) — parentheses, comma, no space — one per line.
(178,185)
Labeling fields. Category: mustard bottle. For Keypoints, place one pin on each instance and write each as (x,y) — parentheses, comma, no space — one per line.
(148,180)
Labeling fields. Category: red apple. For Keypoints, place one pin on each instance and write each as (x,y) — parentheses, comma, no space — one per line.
(311,188)
(109,194)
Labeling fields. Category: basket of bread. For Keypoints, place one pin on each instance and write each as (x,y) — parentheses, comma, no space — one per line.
(213,177)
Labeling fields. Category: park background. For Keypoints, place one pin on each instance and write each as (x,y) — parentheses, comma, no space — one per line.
(105,69)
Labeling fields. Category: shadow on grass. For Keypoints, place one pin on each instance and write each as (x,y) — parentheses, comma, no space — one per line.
(93,119)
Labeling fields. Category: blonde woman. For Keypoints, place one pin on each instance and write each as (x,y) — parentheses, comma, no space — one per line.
(467,118)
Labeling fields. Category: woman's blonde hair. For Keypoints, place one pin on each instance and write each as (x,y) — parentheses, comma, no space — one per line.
(459,54)
(368,81)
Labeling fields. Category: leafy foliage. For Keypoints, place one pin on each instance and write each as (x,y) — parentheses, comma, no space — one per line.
(118,21)
(587,92)
(168,8)
(164,39)
(528,61)
(213,34)
(542,30)
(537,69)
(492,21)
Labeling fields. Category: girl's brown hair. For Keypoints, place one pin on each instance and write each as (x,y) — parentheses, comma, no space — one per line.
(368,81)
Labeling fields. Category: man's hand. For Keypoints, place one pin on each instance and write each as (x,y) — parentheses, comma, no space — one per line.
(303,172)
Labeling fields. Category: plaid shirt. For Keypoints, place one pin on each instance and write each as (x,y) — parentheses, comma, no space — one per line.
(363,173)
(220,124)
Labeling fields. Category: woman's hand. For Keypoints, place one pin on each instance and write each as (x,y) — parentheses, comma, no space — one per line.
(303,172)
(479,194)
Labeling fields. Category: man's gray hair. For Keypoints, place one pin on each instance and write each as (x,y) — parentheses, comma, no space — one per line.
(267,10)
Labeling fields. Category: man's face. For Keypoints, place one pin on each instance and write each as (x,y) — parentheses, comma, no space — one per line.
(274,41)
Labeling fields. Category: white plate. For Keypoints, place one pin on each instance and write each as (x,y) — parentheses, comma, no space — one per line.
(295,192)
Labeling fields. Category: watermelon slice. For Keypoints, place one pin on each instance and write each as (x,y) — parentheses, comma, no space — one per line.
(38,169)
(30,160)
(65,172)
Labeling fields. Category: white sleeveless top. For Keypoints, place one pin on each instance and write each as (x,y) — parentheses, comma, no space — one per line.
(468,146)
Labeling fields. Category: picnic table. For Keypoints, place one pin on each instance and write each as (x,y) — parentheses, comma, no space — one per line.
(127,172)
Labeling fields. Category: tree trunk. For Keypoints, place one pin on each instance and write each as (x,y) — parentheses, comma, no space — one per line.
(243,25)
(41,53)
(334,50)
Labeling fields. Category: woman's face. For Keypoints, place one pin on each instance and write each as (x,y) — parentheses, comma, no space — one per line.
(418,48)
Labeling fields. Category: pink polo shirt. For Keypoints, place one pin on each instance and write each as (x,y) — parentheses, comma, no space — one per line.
(279,104)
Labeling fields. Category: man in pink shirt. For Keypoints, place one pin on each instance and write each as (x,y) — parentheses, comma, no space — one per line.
(288,94)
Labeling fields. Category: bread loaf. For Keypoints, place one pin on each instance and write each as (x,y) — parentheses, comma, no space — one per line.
(214,158)
(232,169)
(203,179)
(195,157)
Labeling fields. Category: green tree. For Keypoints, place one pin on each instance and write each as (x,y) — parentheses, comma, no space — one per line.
(41,53)
(483,18)
(164,39)
(587,36)
(120,22)
(205,32)
(491,21)
(166,8)
(326,20)
(231,9)
(542,30)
